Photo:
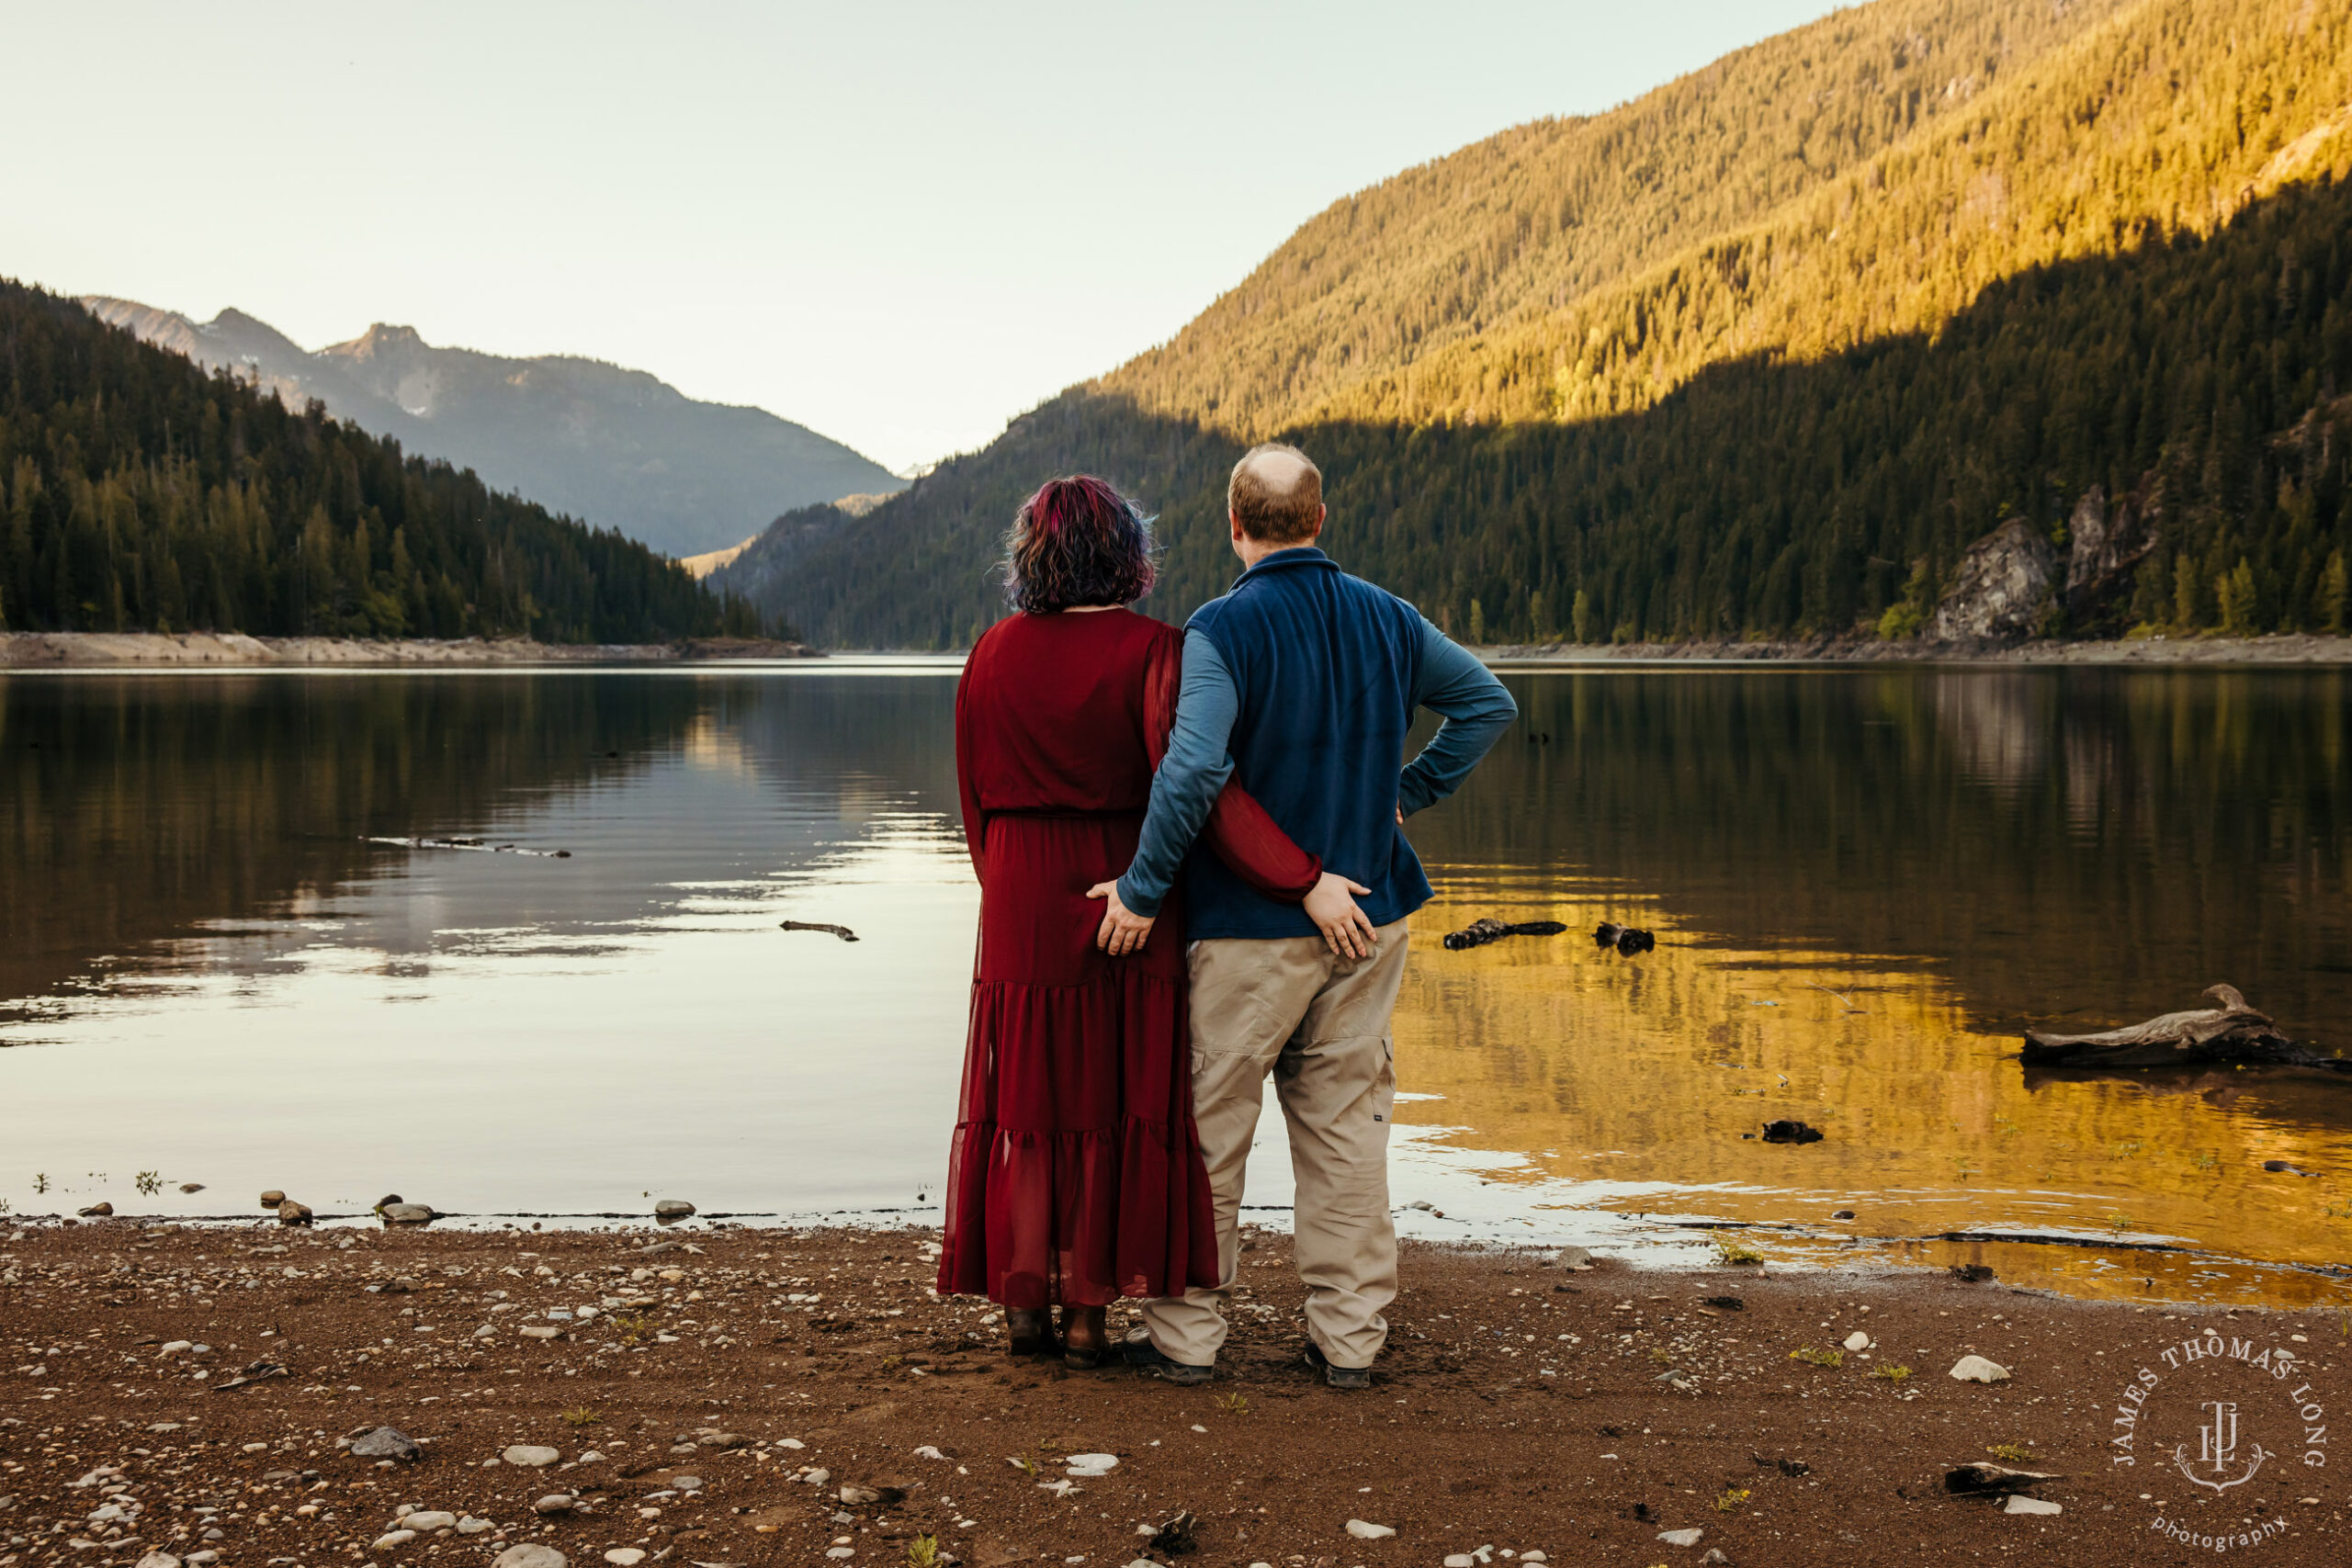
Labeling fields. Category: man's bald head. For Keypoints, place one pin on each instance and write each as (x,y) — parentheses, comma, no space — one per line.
(1276,495)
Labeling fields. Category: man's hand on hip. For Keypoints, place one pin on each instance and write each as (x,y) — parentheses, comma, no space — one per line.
(1122,930)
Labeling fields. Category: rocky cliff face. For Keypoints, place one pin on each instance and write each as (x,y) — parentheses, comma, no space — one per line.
(2001,588)
(615,448)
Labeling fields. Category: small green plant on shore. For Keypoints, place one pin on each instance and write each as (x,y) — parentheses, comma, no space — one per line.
(3,1205)
(633,1326)
(1966,1167)
(2206,1160)
(923,1551)
(1661,1355)
(2006,1127)
(40,1181)
(580,1415)
(2128,1148)
(2015,1453)
(1818,1358)
(1236,1404)
(2337,1211)
(150,1182)
(1732,1252)
(1730,1498)
(2119,1222)
(1892,1373)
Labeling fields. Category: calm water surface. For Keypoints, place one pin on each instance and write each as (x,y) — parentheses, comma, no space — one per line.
(1863,882)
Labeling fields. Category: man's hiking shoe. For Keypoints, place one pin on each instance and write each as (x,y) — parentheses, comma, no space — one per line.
(1146,1358)
(1338,1377)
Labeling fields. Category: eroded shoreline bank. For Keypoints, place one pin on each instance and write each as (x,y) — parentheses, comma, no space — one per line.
(233,650)
(691,1382)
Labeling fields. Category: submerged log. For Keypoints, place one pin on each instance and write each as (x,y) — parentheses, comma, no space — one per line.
(2230,1031)
(842,931)
(1477,933)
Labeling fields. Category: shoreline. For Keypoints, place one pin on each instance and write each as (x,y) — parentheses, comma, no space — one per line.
(234,650)
(681,1388)
(2286,648)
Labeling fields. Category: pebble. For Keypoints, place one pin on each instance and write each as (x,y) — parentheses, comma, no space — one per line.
(1461,1560)
(159,1560)
(200,1559)
(688,1482)
(555,1503)
(1086,1467)
(1976,1369)
(2020,1504)
(391,1539)
(541,1331)
(174,1348)
(472,1526)
(1714,1559)
(1363,1529)
(625,1556)
(428,1520)
(1858,1341)
(530,1555)
(385,1442)
(1680,1538)
(530,1454)
(927,1451)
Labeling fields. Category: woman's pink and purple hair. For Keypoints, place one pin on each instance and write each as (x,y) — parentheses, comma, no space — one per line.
(1078,541)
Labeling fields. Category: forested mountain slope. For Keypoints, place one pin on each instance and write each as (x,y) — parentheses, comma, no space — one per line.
(1798,379)
(140,492)
(621,448)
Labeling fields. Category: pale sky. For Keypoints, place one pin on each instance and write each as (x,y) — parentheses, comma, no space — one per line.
(901,223)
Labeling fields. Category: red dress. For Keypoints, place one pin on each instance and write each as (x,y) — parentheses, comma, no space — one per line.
(1075,1175)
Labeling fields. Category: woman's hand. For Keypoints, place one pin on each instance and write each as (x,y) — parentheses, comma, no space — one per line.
(1122,930)
(1347,929)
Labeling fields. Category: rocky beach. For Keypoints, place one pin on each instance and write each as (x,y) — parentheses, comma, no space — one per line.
(269,1393)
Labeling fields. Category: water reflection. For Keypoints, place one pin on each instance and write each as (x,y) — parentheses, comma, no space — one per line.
(1863,883)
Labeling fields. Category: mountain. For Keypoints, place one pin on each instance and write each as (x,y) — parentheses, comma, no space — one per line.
(619,448)
(1770,351)
(140,492)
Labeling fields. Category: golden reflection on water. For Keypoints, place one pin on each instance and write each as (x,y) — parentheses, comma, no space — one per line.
(1641,1074)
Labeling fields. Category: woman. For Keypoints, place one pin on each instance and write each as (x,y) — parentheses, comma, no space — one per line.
(1075,1176)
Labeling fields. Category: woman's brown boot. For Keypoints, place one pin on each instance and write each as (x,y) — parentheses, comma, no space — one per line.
(1086,1342)
(1031,1331)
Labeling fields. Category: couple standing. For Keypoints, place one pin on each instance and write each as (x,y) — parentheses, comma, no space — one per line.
(1122,1032)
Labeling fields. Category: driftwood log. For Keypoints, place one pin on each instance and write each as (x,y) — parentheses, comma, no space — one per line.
(842,931)
(1479,933)
(2230,1031)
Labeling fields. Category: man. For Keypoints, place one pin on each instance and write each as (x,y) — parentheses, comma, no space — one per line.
(1303,680)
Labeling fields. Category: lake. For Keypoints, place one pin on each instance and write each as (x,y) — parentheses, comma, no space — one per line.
(1864,881)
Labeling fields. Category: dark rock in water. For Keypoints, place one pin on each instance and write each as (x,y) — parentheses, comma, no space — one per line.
(272,1199)
(1624,938)
(98,1211)
(1480,932)
(1785,1132)
(1971,1273)
(1972,1479)
(393,1213)
(1843,1214)
(386,1442)
(2227,1032)
(290,1212)
(672,1208)
(191,1185)
(2285,1170)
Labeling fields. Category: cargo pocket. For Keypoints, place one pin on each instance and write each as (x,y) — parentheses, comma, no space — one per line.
(1383,1091)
